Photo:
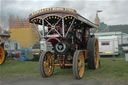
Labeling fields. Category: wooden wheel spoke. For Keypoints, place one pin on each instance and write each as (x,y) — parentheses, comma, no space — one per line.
(79,66)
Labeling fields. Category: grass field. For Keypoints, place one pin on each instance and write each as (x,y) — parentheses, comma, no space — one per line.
(110,70)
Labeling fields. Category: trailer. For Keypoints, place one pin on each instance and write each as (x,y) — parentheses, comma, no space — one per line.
(65,41)
(108,45)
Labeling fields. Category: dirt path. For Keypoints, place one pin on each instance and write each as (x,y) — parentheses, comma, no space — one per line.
(40,81)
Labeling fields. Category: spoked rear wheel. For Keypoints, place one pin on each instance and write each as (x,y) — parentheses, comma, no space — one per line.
(46,64)
(78,64)
(2,55)
(93,48)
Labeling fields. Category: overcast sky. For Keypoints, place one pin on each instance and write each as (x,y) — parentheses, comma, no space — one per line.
(114,11)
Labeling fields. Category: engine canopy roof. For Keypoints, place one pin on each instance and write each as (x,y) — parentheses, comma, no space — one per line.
(60,12)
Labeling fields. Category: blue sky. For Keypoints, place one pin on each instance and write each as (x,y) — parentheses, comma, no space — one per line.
(114,11)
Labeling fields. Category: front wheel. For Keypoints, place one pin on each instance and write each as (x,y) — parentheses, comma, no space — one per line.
(78,64)
(2,55)
(46,64)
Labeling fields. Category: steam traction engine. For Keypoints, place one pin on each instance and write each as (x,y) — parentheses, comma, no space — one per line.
(65,41)
(8,48)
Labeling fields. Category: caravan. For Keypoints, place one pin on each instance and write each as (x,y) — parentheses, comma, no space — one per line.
(108,45)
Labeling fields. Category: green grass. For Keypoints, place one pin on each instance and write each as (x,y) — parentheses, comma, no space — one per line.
(109,70)
(17,68)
